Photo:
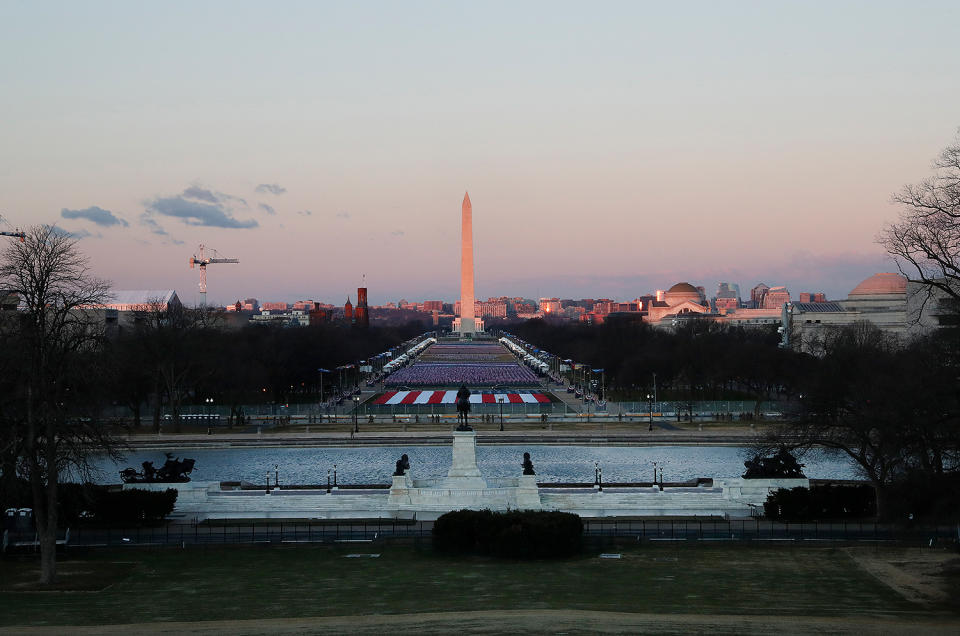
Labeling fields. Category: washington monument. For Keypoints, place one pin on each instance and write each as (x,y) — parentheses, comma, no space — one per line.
(467,321)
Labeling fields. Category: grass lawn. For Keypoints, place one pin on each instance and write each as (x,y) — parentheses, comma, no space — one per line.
(196,584)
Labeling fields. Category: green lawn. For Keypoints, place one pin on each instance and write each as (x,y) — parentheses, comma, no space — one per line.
(195,584)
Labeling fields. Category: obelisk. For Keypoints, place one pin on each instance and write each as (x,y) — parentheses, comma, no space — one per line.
(468,323)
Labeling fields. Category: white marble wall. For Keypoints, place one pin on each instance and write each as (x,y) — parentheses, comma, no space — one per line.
(730,497)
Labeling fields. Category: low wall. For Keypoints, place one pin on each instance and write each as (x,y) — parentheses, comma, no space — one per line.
(407,498)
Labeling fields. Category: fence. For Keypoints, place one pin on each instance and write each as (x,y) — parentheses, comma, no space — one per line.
(269,414)
(742,530)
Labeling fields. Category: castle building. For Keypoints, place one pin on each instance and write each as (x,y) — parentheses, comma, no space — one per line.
(362,313)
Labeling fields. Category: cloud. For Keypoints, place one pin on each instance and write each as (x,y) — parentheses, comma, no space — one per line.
(103,218)
(271,188)
(305,213)
(74,234)
(153,226)
(267,208)
(343,215)
(198,213)
(200,194)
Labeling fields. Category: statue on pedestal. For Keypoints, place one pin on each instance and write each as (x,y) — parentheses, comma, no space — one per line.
(527,465)
(463,409)
(172,471)
(403,464)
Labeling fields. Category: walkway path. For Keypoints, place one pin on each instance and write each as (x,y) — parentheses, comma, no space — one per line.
(574,433)
(532,622)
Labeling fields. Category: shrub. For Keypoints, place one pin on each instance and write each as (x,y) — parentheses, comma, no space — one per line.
(107,505)
(822,502)
(133,505)
(926,497)
(516,534)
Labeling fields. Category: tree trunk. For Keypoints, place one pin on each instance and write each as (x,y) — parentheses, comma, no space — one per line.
(880,498)
(156,410)
(156,415)
(48,535)
(48,552)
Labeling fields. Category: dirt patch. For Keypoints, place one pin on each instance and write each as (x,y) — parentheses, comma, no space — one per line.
(528,622)
(921,575)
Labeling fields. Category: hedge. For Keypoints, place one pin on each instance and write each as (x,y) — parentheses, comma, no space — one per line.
(108,505)
(516,534)
(822,502)
(132,505)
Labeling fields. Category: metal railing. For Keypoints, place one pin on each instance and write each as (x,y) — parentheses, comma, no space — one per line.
(315,531)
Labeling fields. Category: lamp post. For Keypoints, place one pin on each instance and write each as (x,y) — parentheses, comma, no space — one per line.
(322,371)
(654,386)
(500,400)
(650,411)
(356,407)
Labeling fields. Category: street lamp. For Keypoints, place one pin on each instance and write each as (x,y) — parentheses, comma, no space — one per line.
(322,371)
(650,411)
(500,400)
(356,407)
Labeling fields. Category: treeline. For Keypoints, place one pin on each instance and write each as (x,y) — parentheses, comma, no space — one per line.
(181,357)
(888,403)
(91,503)
(176,358)
(700,360)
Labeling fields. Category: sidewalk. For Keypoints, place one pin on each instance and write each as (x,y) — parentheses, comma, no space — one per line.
(561,433)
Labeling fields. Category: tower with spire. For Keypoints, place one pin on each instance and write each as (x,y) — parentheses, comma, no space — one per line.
(467,324)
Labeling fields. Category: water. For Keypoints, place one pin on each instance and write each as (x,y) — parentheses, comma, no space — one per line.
(375,464)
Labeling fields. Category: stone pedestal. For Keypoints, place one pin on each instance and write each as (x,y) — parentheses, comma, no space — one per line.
(528,495)
(399,490)
(464,472)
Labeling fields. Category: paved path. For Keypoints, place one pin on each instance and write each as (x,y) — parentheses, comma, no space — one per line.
(599,434)
(531,622)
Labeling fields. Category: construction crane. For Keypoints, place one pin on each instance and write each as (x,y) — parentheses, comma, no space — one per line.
(21,235)
(200,259)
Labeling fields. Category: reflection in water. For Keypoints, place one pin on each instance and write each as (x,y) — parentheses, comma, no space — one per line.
(375,464)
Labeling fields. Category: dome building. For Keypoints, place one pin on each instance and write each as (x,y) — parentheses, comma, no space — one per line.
(681,299)
(886,300)
(683,292)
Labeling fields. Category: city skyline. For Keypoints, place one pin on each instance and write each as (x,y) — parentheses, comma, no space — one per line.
(612,151)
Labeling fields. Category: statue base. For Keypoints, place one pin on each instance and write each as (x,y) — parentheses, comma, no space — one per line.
(464,472)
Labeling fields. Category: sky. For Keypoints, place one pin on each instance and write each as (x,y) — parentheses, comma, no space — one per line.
(610,149)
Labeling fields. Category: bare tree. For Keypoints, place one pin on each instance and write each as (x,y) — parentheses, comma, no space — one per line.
(56,338)
(925,241)
(889,407)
